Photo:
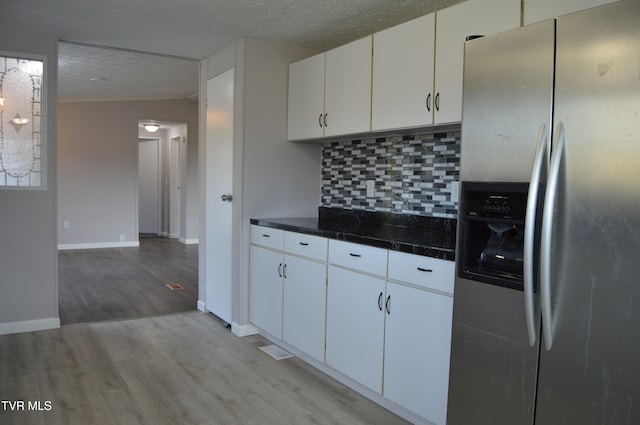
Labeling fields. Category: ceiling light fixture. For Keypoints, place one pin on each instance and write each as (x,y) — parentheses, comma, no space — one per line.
(151,128)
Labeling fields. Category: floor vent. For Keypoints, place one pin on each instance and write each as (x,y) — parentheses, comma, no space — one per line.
(174,286)
(276,352)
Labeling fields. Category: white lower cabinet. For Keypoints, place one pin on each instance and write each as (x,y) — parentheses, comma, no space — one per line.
(416,350)
(355,325)
(288,280)
(304,304)
(382,318)
(266,268)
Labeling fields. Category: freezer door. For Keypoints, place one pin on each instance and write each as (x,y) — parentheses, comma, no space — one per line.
(508,90)
(591,373)
(507,98)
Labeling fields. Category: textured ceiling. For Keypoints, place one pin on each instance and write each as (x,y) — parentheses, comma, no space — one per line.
(188,29)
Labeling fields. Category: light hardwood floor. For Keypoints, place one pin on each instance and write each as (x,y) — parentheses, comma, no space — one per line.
(184,368)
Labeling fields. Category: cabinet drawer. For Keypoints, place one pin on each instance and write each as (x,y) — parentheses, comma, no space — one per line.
(306,245)
(267,237)
(431,273)
(359,257)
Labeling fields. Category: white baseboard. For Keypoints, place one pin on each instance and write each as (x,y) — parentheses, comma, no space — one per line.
(62,247)
(243,330)
(201,306)
(29,326)
(189,241)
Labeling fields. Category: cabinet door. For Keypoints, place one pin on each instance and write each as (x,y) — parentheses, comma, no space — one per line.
(417,348)
(306,98)
(454,24)
(348,88)
(540,10)
(266,290)
(355,326)
(403,75)
(304,305)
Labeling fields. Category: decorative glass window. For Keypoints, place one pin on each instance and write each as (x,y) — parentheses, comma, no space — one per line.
(22,97)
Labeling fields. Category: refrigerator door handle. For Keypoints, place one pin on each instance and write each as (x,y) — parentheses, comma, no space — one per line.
(546,234)
(539,165)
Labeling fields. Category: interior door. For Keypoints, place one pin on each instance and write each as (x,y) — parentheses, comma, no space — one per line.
(174,188)
(148,186)
(218,182)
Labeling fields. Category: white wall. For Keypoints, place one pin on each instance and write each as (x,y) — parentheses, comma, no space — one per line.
(98,161)
(28,256)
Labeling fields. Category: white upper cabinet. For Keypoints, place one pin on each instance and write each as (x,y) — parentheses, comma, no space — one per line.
(541,10)
(330,93)
(348,88)
(413,80)
(403,75)
(454,25)
(306,98)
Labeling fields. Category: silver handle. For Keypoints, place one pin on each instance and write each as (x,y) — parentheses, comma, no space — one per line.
(539,165)
(546,234)
(227,197)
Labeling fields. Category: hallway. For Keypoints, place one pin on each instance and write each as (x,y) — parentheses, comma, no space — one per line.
(124,283)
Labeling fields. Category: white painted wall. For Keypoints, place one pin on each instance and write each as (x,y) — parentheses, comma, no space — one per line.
(28,257)
(98,161)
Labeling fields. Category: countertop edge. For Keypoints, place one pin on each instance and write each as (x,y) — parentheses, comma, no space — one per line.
(311,229)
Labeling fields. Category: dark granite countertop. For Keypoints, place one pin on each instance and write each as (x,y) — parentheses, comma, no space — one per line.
(428,236)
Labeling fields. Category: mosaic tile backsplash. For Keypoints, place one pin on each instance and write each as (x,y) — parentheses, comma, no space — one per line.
(411,174)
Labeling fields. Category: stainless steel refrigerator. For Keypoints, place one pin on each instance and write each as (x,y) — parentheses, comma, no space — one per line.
(546,326)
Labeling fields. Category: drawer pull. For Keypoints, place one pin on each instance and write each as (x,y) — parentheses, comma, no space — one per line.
(264,235)
(355,255)
(304,243)
(280,270)
(387,305)
(425,270)
(284,271)
(380,301)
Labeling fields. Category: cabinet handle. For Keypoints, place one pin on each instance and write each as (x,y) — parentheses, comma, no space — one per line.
(320,120)
(304,243)
(264,235)
(355,255)
(437,101)
(325,119)
(284,271)
(428,102)
(425,270)
(380,301)
(280,270)
(387,304)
